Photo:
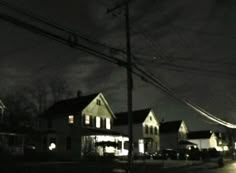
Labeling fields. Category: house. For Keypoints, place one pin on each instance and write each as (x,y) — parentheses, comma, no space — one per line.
(172,134)
(145,129)
(204,139)
(78,126)
(222,141)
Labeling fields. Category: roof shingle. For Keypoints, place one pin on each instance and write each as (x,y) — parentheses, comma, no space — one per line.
(138,117)
(170,126)
(70,106)
(205,134)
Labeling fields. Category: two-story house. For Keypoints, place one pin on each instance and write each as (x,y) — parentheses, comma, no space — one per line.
(172,133)
(204,139)
(81,125)
(145,129)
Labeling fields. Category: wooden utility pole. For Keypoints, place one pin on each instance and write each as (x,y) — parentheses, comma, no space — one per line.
(129,79)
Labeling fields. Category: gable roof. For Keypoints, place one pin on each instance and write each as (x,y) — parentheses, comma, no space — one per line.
(170,126)
(70,106)
(204,134)
(138,117)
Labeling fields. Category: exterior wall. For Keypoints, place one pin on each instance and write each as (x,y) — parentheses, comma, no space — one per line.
(206,143)
(137,133)
(201,143)
(183,131)
(151,122)
(66,135)
(95,109)
(140,138)
(169,140)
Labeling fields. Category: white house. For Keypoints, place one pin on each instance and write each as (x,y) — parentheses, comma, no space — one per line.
(172,134)
(204,139)
(145,129)
(81,125)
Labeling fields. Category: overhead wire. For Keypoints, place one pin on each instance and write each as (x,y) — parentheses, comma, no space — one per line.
(140,73)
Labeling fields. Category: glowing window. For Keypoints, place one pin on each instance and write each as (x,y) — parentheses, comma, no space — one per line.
(87,119)
(98,122)
(108,123)
(71,119)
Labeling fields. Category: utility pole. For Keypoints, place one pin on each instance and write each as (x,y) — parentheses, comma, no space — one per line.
(129,79)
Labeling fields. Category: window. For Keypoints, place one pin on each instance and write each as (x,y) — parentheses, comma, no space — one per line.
(87,119)
(155,130)
(98,102)
(71,119)
(126,145)
(119,145)
(146,129)
(68,143)
(151,130)
(150,118)
(98,122)
(108,123)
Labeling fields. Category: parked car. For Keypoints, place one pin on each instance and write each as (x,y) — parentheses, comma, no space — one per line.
(166,154)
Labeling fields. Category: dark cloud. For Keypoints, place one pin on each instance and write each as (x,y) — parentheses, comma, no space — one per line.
(196,34)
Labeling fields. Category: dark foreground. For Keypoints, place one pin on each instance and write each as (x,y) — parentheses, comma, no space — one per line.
(109,167)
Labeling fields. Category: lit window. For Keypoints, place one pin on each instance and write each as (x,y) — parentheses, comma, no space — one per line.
(108,123)
(87,119)
(71,119)
(98,122)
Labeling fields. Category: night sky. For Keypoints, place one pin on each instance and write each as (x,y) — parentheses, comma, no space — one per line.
(189,44)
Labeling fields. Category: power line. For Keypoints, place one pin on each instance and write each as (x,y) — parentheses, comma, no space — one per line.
(142,74)
(54,25)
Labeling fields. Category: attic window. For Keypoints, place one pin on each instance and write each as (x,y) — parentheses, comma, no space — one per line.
(71,119)
(151,118)
(98,102)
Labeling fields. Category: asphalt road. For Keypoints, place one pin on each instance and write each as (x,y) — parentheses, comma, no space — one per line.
(228,168)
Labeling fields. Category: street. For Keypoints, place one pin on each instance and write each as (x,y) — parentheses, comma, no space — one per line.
(209,168)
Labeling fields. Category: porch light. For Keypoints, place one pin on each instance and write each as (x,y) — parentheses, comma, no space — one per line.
(52,146)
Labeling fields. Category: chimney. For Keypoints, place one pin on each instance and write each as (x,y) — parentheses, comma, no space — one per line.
(79,93)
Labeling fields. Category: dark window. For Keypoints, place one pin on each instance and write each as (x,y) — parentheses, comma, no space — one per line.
(68,143)
(155,130)
(49,123)
(126,145)
(151,130)
(119,145)
(98,102)
(146,129)
(52,140)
